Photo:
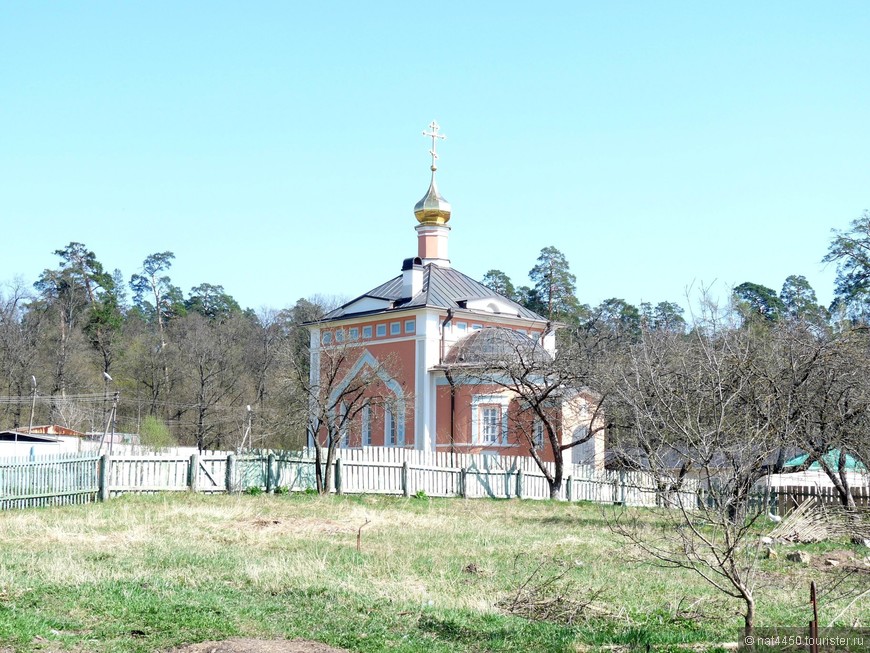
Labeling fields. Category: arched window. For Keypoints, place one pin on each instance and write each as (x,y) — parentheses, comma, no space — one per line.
(343,429)
(366,425)
(391,428)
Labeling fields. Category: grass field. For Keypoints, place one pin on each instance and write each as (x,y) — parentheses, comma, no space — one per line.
(145,573)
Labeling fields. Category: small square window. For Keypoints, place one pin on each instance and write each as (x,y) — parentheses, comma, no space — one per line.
(367,331)
(410,326)
(339,335)
(395,328)
(476,327)
(461,326)
(353,333)
(327,337)
(382,330)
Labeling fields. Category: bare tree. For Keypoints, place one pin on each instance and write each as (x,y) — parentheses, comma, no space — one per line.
(718,406)
(342,380)
(682,397)
(550,403)
(18,342)
(832,372)
(212,371)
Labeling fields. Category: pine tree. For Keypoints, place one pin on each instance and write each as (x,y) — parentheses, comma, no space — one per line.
(554,286)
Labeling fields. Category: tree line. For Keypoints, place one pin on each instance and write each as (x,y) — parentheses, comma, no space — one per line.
(773,368)
(188,366)
(192,369)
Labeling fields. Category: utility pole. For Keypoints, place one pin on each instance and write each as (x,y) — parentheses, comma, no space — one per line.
(106,380)
(247,429)
(110,423)
(114,418)
(32,405)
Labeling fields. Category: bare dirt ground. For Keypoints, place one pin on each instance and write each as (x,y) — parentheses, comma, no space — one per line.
(233,645)
(241,645)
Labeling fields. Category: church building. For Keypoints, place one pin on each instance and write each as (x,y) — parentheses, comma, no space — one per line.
(412,328)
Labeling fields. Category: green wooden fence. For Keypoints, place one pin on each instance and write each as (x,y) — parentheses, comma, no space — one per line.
(49,481)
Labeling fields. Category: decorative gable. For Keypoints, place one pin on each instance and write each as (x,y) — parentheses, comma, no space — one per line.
(495,304)
(367,303)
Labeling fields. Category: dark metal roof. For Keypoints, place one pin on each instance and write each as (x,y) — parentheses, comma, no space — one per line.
(23,436)
(442,288)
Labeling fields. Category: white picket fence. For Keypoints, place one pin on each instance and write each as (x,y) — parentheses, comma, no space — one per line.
(389,470)
(78,478)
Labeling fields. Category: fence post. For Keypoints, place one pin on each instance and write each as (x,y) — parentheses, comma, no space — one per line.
(463,482)
(103,477)
(569,488)
(338,475)
(193,472)
(406,489)
(270,473)
(519,484)
(622,487)
(230,477)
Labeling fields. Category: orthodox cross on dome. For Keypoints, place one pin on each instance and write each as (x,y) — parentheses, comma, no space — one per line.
(434,135)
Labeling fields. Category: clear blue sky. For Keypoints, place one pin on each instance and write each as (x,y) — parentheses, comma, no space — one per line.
(276,147)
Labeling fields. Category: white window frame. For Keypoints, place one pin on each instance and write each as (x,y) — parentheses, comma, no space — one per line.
(478,402)
(490,423)
(367,331)
(381,330)
(339,335)
(462,327)
(353,333)
(395,328)
(327,337)
(410,326)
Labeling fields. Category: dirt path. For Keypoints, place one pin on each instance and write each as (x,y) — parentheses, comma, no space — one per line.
(240,645)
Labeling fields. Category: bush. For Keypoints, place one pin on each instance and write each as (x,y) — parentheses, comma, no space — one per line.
(155,434)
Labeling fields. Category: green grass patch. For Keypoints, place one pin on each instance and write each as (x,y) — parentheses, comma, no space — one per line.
(145,573)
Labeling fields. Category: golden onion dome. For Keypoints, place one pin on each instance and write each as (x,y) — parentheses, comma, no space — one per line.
(433,208)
